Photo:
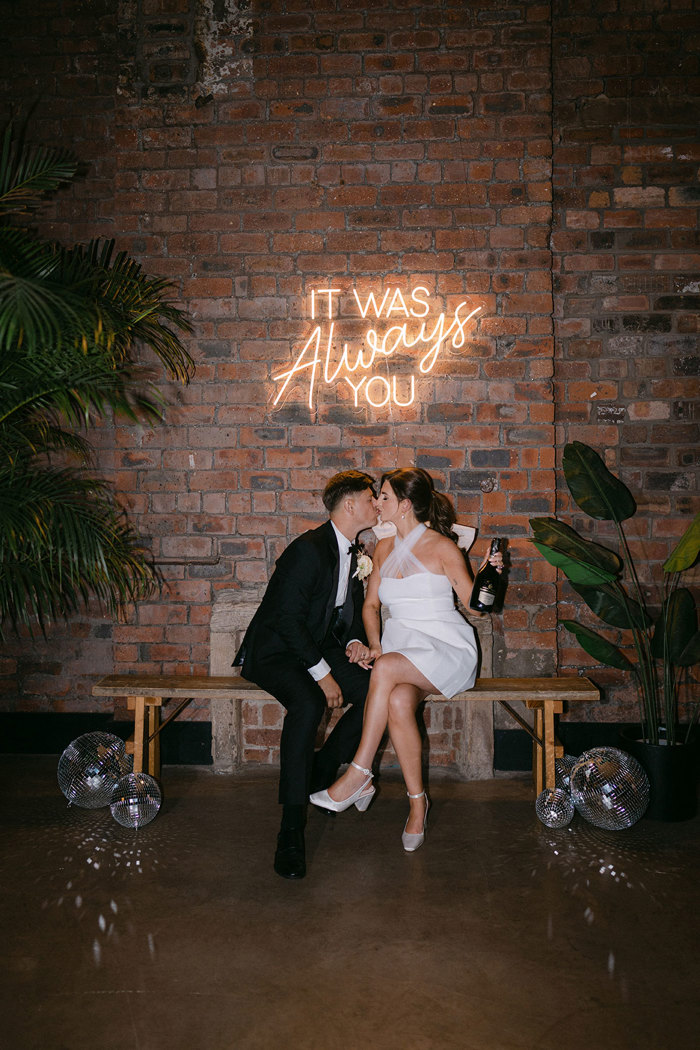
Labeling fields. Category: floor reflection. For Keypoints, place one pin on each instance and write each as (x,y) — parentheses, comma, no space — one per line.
(179,935)
(89,864)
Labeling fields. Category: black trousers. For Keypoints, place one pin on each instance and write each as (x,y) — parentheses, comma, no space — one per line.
(305,705)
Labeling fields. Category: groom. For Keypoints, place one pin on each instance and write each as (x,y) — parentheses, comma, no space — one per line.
(304,645)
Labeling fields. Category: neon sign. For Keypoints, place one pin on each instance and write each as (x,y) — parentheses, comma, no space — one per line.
(408,330)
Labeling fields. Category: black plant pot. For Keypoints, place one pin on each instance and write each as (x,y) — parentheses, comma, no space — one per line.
(672,772)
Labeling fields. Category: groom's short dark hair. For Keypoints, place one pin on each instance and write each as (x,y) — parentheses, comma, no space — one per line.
(346,483)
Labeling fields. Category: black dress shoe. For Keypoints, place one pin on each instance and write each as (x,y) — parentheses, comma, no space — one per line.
(290,855)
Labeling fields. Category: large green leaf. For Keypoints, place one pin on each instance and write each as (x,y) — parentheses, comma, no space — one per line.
(582,561)
(614,606)
(598,647)
(686,551)
(575,571)
(676,626)
(596,491)
(691,654)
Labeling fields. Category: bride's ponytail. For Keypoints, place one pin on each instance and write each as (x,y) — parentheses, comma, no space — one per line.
(442,515)
(416,485)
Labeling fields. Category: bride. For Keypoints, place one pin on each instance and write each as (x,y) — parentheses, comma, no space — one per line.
(426,647)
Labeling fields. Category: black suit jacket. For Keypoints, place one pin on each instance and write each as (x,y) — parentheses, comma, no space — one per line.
(294,615)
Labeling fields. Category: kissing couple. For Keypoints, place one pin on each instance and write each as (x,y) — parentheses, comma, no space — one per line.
(317,642)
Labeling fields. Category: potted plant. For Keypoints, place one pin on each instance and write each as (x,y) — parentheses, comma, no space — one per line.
(661,643)
(69,321)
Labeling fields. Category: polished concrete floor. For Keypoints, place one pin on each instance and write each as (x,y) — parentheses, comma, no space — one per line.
(498,934)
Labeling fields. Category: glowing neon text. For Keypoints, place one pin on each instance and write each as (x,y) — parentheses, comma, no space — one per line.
(409,329)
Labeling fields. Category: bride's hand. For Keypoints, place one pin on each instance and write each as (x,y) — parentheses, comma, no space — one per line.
(373,654)
(495,559)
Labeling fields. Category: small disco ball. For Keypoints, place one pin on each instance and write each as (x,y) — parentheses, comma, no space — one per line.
(135,800)
(562,771)
(609,788)
(89,768)
(554,807)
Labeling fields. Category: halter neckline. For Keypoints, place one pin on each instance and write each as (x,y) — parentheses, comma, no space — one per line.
(411,538)
(401,561)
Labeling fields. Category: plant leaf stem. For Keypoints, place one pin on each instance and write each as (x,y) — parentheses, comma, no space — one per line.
(643,646)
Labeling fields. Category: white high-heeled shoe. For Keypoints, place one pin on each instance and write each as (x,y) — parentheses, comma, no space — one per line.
(360,798)
(412,842)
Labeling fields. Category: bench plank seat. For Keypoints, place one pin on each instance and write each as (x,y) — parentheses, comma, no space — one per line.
(146,693)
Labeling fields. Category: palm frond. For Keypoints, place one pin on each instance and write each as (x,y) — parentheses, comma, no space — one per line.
(71,320)
(62,539)
(35,312)
(22,254)
(36,438)
(78,296)
(42,302)
(137,308)
(72,390)
(28,173)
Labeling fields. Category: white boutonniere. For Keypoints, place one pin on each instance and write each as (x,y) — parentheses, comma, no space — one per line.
(364,562)
(364,566)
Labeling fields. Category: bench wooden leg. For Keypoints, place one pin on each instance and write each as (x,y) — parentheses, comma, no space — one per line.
(138,705)
(538,752)
(548,744)
(546,747)
(153,735)
(146,741)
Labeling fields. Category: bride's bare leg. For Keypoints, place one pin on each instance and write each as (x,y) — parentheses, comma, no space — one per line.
(405,736)
(389,670)
(373,726)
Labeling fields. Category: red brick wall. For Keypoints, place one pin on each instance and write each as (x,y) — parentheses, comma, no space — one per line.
(627,265)
(254,158)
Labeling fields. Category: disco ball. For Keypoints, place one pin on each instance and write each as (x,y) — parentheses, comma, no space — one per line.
(135,800)
(609,788)
(554,807)
(89,768)
(562,771)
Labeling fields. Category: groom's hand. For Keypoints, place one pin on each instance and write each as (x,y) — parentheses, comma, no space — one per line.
(331,691)
(356,652)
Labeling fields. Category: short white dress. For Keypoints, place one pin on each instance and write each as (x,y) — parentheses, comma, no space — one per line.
(422,622)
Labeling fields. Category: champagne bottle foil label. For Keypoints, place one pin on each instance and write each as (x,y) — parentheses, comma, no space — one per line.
(486,597)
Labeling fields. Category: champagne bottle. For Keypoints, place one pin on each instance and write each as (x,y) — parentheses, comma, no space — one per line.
(486,583)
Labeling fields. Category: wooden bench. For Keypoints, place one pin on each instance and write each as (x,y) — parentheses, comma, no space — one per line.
(146,694)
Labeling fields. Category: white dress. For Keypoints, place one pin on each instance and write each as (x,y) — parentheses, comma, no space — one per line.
(423,623)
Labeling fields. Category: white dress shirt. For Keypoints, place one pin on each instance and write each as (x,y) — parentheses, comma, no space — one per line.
(322,668)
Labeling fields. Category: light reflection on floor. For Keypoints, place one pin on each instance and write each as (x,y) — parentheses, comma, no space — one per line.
(98,859)
(185,919)
(594,863)
(93,861)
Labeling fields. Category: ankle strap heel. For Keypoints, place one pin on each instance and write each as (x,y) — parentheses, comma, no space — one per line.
(412,841)
(367,789)
(360,798)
